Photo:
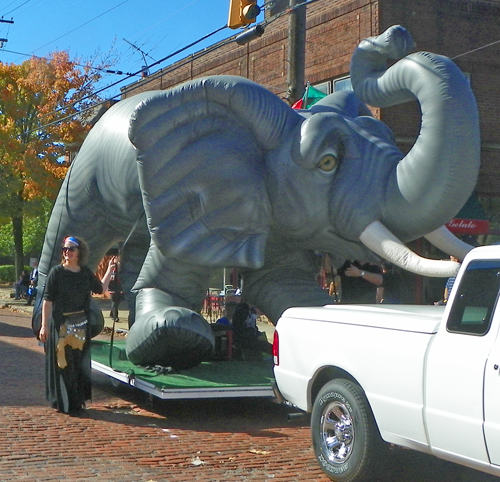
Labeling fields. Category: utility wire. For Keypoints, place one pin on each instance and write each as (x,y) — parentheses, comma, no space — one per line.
(136,73)
(207,50)
(204,52)
(269,3)
(19,6)
(82,25)
(106,71)
(475,50)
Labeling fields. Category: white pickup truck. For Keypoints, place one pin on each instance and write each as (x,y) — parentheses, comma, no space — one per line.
(422,377)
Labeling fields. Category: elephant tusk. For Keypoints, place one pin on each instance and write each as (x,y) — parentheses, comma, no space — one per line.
(382,242)
(447,242)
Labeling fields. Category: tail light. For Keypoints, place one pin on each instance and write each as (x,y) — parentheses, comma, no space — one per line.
(276,348)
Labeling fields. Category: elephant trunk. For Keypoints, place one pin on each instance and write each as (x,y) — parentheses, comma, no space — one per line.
(433,181)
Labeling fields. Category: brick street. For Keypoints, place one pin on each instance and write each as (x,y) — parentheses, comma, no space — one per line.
(126,436)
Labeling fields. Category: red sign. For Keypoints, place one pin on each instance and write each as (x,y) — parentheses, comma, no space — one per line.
(469,226)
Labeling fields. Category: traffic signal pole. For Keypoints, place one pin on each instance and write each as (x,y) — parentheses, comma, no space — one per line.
(4,40)
(296,52)
(244,12)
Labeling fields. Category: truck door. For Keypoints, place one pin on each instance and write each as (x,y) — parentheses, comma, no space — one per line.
(456,364)
(492,399)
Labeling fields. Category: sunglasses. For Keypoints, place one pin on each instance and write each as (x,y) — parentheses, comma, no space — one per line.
(69,248)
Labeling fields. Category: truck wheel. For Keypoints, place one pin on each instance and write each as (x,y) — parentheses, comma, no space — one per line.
(345,437)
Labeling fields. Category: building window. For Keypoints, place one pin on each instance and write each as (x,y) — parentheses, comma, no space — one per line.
(324,87)
(342,84)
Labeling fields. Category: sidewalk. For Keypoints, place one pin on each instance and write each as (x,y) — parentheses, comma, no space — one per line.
(105,304)
(7,301)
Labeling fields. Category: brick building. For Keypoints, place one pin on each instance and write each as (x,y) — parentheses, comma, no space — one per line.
(467,31)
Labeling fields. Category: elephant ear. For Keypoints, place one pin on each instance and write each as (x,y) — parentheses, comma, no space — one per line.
(200,152)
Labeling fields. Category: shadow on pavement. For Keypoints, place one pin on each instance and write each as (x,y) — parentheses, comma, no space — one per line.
(9,330)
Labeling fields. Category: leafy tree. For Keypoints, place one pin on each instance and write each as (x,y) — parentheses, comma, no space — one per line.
(34,228)
(43,106)
(6,240)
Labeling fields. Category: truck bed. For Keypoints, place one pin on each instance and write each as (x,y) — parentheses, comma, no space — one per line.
(210,379)
(420,319)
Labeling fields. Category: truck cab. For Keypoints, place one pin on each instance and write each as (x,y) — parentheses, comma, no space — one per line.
(462,382)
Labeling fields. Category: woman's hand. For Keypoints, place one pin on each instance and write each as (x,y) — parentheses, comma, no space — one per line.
(46,313)
(353,272)
(112,265)
(43,335)
(113,262)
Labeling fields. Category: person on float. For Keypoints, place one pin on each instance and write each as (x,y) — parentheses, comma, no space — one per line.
(65,329)
(359,282)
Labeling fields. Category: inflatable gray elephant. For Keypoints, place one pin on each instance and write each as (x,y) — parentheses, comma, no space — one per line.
(219,172)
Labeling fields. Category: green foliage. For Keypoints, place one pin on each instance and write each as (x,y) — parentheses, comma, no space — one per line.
(34,232)
(6,240)
(35,226)
(43,111)
(7,273)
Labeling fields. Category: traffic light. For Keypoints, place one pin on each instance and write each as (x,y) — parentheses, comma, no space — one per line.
(242,12)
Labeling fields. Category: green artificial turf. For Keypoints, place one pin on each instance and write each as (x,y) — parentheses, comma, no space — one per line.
(209,374)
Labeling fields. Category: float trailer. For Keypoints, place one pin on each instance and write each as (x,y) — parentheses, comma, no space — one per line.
(221,378)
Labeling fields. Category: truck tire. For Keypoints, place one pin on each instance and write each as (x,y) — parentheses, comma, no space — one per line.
(345,437)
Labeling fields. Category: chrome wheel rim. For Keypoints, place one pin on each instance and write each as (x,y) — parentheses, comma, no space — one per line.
(337,433)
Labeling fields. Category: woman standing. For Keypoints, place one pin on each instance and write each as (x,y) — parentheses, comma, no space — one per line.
(67,333)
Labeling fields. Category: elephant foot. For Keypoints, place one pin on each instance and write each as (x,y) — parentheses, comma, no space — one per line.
(167,335)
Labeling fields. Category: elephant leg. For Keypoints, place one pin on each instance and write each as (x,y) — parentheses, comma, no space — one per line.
(168,329)
(287,280)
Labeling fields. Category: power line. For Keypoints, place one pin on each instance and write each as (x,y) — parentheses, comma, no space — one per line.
(80,26)
(475,50)
(19,6)
(204,52)
(167,17)
(48,59)
(4,40)
(268,3)
(93,106)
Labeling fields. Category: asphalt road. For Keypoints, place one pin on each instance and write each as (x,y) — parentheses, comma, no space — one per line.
(128,436)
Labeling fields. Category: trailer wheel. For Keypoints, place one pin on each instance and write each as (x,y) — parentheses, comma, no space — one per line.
(116,384)
(345,437)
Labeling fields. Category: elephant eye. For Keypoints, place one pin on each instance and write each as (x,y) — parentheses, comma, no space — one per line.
(328,163)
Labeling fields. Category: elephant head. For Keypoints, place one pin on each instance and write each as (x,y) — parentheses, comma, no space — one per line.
(241,167)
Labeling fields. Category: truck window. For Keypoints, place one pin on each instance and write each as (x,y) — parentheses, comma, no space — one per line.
(475,299)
